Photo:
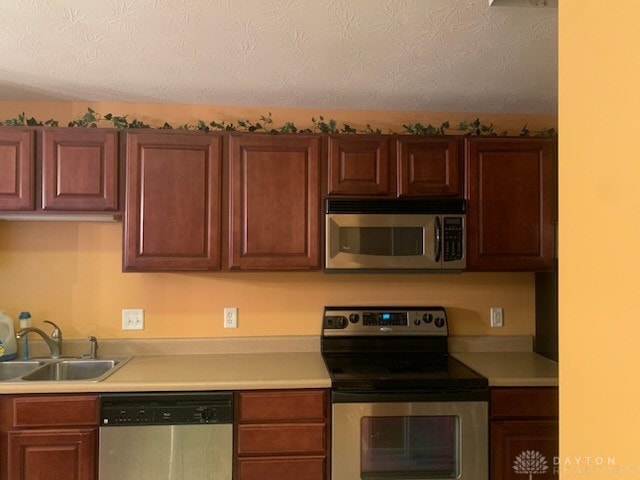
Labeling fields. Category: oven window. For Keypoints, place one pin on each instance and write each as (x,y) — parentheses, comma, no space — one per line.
(387,241)
(416,447)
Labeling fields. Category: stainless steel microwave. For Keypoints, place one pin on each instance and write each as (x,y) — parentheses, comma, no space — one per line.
(395,235)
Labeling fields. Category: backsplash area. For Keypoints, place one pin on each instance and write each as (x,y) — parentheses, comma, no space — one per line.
(70,273)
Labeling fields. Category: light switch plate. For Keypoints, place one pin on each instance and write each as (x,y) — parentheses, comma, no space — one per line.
(497,319)
(132,319)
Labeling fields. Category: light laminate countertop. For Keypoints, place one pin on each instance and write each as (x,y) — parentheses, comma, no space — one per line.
(272,363)
(512,369)
(197,372)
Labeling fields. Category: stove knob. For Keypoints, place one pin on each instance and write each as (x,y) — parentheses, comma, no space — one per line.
(427,318)
(439,322)
(341,322)
(354,317)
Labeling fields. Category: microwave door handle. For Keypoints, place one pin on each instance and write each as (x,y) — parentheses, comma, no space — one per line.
(438,239)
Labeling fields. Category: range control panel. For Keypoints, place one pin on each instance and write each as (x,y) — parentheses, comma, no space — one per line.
(367,321)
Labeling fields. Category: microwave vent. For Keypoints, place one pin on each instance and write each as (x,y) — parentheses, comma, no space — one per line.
(395,206)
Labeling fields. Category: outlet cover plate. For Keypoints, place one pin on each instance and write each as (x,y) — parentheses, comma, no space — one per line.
(231,317)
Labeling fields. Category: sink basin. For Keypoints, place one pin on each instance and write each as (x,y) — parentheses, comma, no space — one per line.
(16,369)
(69,370)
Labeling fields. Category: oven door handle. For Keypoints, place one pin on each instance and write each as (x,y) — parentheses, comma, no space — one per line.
(439,395)
(437,239)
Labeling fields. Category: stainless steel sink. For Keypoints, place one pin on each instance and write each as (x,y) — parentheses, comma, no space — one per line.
(61,370)
(16,369)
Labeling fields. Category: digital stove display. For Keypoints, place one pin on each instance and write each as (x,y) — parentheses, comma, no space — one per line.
(384,318)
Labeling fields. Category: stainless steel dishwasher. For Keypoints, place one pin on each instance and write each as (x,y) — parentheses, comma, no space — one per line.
(169,436)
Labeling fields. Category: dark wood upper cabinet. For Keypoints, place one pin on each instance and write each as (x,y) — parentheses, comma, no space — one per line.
(274,202)
(359,165)
(173,192)
(17,169)
(429,167)
(511,202)
(79,169)
(395,166)
(59,170)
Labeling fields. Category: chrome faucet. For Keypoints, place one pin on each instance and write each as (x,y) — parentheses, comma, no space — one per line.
(54,342)
(93,345)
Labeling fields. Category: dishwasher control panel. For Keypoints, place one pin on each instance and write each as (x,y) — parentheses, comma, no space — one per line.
(166,409)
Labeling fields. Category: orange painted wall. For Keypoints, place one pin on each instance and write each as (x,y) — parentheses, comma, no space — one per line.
(599,174)
(70,273)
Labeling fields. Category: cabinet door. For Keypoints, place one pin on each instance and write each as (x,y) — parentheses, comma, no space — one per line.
(80,169)
(64,454)
(274,202)
(521,448)
(511,203)
(359,165)
(17,169)
(429,167)
(172,212)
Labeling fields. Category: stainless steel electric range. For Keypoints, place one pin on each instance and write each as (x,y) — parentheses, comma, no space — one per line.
(401,406)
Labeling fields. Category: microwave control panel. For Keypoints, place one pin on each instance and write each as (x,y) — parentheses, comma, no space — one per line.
(453,239)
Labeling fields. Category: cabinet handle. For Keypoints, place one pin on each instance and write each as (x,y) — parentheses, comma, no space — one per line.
(438,239)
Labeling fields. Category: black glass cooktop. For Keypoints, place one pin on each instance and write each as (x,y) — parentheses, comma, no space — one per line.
(401,371)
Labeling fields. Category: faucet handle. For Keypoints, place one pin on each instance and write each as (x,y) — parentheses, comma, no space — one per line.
(57,333)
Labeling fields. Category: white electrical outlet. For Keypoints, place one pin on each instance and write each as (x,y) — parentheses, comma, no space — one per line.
(231,317)
(132,319)
(496,317)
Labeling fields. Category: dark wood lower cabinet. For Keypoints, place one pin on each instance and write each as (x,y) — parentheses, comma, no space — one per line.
(282,468)
(524,433)
(524,446)
(63,454)
(282,435)
(48,437)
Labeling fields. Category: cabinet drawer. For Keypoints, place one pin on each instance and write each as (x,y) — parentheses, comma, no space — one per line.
(282,406)
(282,468)
(46,411)
(281,438)
(524,402)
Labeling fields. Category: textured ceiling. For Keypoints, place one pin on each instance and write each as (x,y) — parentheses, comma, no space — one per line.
(428,55)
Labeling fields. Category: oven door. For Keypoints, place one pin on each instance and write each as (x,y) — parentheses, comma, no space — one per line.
(410,440)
